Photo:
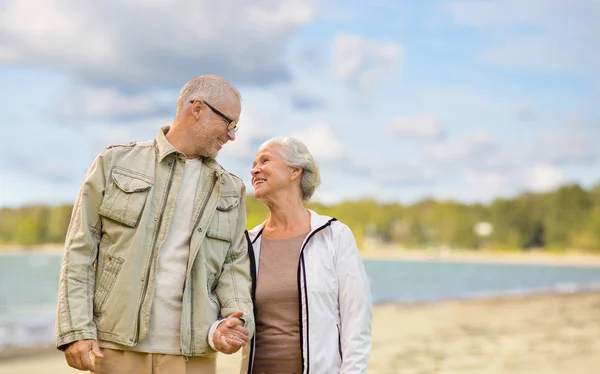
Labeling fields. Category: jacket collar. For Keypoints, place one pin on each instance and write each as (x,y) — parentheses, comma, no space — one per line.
(316,221)
(164,148)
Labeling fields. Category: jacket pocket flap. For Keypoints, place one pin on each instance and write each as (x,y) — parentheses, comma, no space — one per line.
(129,183)
(218,233)
(228,202)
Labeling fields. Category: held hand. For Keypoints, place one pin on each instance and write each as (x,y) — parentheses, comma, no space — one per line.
(230,335)
(78,354)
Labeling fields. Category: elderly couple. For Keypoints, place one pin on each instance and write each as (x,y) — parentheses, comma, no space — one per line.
(159,274)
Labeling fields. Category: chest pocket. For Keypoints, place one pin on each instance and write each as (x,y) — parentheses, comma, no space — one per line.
(225,218)
(125,197)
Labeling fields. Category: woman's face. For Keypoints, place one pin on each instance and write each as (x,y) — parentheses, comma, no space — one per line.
(270,173)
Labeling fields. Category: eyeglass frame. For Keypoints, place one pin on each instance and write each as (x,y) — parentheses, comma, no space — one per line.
(231,124)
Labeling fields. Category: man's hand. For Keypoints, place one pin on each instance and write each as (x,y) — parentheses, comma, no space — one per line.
(230,335)
(78,354)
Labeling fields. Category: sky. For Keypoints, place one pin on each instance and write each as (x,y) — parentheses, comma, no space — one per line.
(398,101)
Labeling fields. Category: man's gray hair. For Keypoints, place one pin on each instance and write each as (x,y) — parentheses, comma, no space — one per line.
(211,88)
(296,154)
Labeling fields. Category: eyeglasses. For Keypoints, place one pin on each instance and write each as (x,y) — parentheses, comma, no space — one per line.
(231,124)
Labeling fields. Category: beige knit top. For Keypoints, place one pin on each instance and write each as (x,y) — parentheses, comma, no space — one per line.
(277,307)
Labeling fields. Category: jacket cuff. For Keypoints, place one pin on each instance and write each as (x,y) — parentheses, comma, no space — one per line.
(211,333)
(64,340)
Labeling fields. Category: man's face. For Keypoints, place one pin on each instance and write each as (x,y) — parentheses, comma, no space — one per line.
(211,131)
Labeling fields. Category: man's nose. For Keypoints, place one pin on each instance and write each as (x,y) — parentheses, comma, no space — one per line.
(231,135)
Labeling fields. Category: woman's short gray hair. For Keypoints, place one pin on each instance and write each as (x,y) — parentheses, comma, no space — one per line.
(211,88)
(296,154)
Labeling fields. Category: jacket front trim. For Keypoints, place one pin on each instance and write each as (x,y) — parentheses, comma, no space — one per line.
(253,293)
(302,270)
(302,292)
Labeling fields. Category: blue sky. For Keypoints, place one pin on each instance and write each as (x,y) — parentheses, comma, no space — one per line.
(398,100)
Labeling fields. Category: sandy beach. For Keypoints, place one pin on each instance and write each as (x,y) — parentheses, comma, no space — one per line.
(493,257)
(543,334)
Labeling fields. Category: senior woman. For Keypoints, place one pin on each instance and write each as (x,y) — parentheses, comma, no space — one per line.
(312,298)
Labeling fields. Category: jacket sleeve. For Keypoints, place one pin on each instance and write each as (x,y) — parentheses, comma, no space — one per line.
(356,307)
(235,283)
(74,316)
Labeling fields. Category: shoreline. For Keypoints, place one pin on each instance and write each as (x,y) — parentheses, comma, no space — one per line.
(492,298)
(22,353)
(484,257)
(392,253)
(41,248)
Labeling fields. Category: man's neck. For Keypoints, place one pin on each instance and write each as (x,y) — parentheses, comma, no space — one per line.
(178,138)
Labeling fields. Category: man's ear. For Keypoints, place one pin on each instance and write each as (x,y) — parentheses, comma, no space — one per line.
(196,107)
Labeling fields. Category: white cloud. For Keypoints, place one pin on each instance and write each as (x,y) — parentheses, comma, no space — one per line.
(403,175)
(558,36)
(576,16)
(102,133)
(19,191)
(485,184)
(160,44)
(526,112)
(462,148)
(485,178)
(322,141)
(491,14)
(421,127)
(115,134)
(572,144)
(7,55)
(544,177)
(544,54)
(250,131)
(395,172)
(364,62)
(102,103)
(344,11)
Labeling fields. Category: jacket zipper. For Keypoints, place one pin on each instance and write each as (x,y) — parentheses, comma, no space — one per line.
(203,203)
(253,295)
(156,232)
(339,341)
(302,266)
(203,206)
(301,271)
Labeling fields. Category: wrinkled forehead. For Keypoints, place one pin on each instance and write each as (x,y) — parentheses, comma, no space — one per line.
(270,148)
(267,150)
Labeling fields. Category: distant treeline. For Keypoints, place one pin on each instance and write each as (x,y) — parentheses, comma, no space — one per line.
(565,219)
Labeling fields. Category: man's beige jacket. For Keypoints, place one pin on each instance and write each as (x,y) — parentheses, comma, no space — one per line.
(119,222)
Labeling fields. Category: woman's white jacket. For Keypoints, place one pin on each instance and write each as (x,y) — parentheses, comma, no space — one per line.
(335,299)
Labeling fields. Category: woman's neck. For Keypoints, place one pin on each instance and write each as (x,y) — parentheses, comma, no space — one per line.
(287,220)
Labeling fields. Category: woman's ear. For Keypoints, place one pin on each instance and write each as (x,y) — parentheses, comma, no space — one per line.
(296,172)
